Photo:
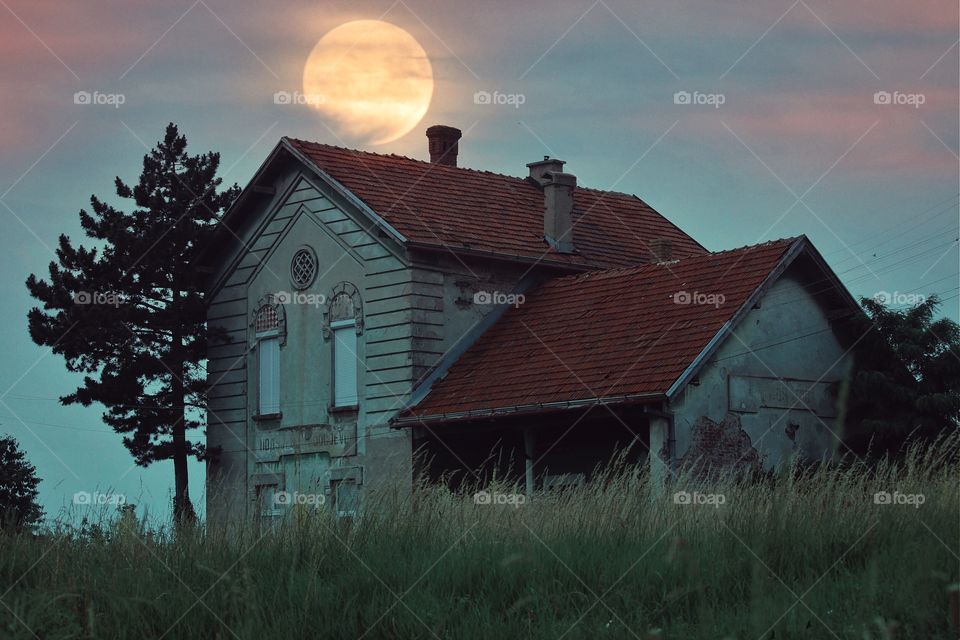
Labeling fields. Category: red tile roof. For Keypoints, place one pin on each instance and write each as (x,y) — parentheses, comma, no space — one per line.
(463,208)
(601,334)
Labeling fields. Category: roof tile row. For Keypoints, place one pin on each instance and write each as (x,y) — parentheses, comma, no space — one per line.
(602,334)
(463,208)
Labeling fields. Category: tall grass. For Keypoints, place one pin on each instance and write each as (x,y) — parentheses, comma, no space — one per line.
(806,553)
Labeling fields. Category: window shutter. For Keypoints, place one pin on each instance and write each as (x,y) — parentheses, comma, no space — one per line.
(269,375)
(345,365)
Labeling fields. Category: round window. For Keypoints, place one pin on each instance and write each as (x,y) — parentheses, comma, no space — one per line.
(303,268)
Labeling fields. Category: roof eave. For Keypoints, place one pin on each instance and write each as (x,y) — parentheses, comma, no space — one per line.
(236,205)
(400,422)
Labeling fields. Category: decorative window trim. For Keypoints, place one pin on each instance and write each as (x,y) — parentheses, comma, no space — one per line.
(281,330)
(348,289)
(303,249)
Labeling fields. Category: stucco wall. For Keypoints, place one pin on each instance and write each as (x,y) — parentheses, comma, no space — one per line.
(757,375)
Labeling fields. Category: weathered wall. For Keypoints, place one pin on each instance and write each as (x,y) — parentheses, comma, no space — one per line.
(228,427)
(432,308)
(413,311)
(738,389)
(309,440)
(309,445)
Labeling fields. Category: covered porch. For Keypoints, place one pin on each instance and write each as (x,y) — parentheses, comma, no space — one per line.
(544,449)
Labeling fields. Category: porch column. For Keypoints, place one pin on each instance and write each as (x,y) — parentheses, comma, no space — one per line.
(528,453)
(659,441)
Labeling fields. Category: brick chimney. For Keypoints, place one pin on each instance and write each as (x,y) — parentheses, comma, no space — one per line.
(443,144)
(661,250)
(558,191)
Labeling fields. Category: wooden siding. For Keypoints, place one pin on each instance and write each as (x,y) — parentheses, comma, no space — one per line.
(397,307)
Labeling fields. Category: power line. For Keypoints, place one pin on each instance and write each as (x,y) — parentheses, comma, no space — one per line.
(57,426)
(897,230)
(776,297)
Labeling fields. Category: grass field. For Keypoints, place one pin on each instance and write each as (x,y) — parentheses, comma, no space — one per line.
(813,555)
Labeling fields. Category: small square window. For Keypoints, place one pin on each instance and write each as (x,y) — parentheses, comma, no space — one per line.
(346,498)
(267,501)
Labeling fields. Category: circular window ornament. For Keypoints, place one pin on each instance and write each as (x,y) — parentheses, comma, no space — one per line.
(303,268)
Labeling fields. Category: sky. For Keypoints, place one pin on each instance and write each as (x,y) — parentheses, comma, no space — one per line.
(739,121)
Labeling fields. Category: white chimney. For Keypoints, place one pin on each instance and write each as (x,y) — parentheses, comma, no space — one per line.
(558,191)
(539,168)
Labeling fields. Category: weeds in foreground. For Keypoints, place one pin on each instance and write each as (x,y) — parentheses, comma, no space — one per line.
(841,551)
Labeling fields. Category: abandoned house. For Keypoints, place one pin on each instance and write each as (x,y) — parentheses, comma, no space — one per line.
(379,307)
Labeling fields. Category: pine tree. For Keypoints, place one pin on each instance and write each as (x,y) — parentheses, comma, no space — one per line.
(129,312)
(18,487)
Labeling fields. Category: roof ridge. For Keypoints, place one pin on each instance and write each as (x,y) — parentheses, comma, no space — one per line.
(447,167)
(788,240)
(402,157)
(637,268)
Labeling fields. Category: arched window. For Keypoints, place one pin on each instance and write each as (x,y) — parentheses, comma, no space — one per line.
(268,326)
(343,325)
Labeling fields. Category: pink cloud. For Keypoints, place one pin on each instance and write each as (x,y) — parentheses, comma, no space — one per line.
(812,131)
(101,40)
(747,16)
(887,15)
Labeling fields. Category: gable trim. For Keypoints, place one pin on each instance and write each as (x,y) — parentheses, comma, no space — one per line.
(800,247)
(342,191)
(302,212)
(245,245)
(251,190)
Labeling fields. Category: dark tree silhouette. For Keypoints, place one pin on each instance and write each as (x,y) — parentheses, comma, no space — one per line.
(18,487)
(129,312)
(906,378)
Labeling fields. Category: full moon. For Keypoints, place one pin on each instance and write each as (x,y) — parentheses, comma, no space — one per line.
(372,78)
